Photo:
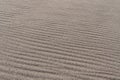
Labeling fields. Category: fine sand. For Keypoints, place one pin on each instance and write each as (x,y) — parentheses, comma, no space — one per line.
(59,39)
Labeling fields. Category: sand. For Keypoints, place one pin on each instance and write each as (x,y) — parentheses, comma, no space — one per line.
(59,40)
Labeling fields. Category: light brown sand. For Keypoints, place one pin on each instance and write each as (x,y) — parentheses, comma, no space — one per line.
(59,39)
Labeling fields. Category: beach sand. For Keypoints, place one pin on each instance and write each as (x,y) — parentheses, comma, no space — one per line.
(59,39)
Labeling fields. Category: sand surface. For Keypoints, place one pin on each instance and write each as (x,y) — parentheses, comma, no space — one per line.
(59,39)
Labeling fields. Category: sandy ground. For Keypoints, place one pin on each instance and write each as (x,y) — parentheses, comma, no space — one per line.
(59,39)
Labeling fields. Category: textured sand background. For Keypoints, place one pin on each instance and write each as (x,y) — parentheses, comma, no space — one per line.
(59,39)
